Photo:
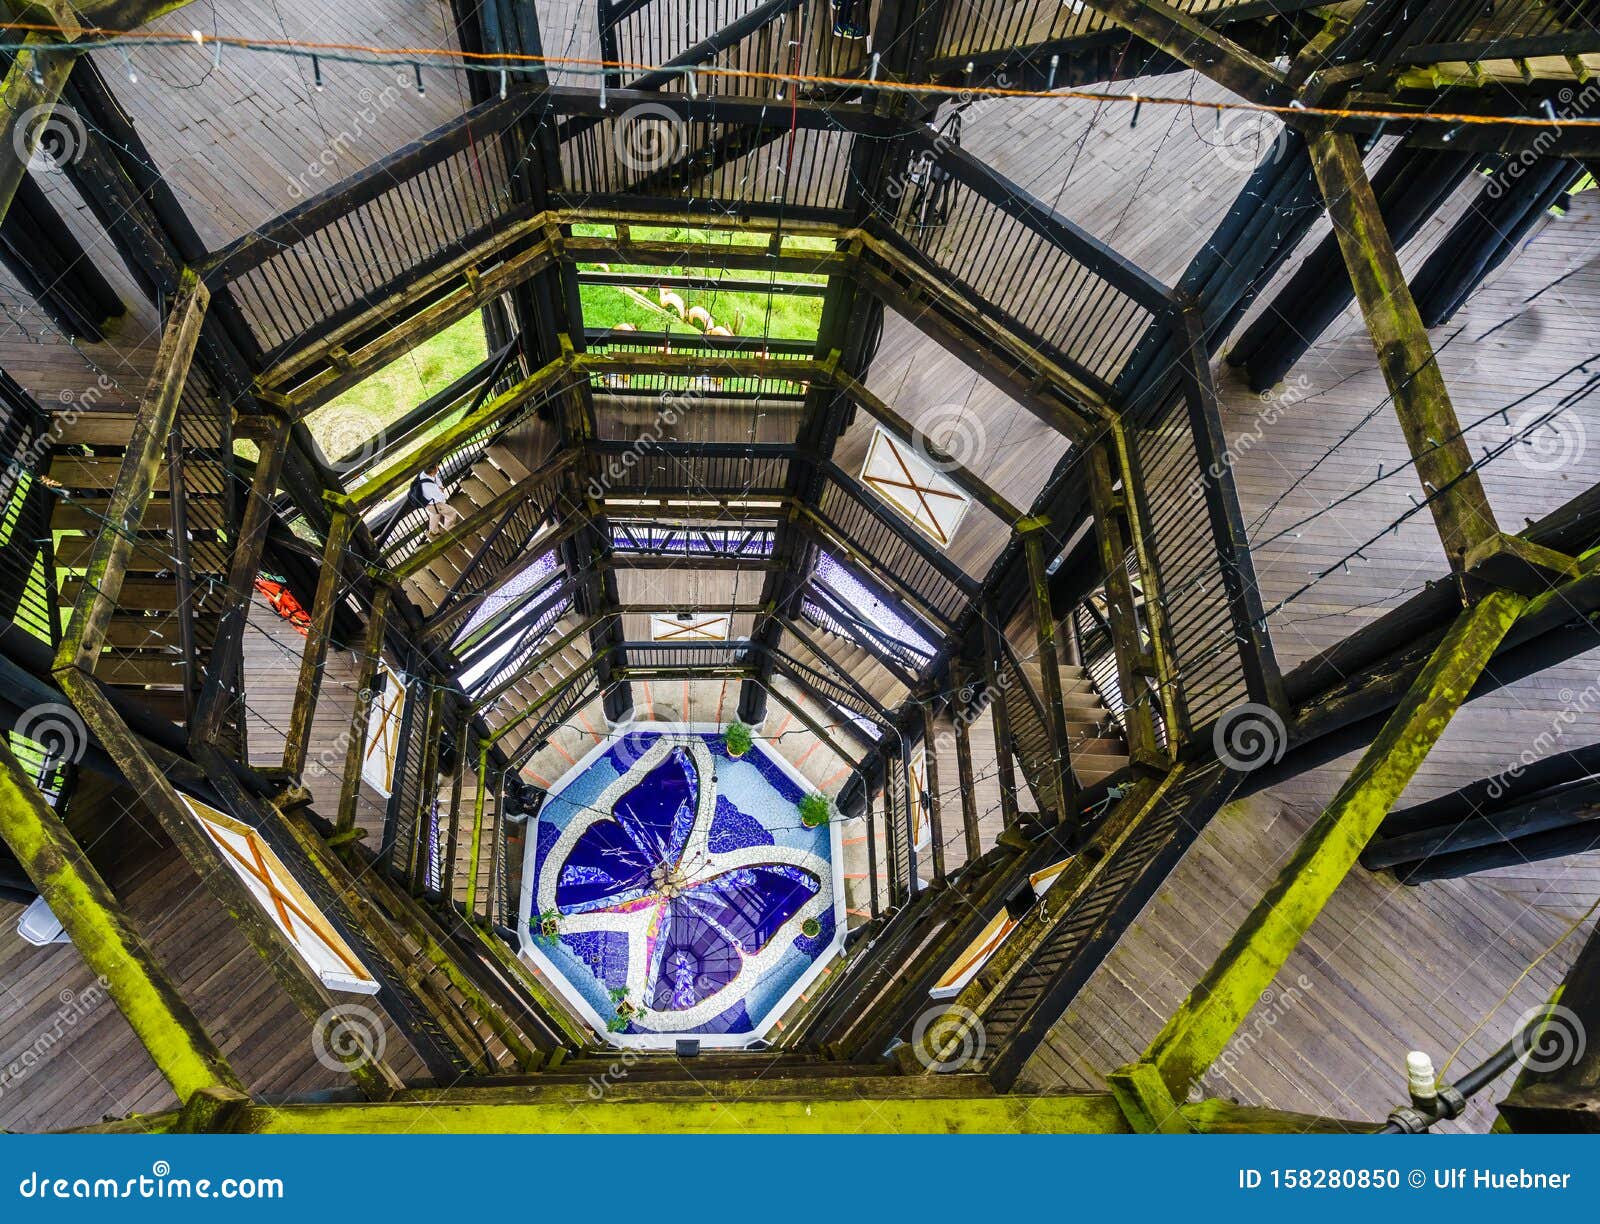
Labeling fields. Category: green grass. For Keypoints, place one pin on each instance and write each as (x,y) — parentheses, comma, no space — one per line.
(344,424)
(784,317)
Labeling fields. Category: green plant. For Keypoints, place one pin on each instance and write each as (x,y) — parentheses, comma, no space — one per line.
(811,928)
(736,738)
(546,928)
(815,810)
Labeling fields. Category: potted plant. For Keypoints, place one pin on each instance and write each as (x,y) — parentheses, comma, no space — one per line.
(736,738)
(627,1010)
(815,810)
(547,928)
(811,928)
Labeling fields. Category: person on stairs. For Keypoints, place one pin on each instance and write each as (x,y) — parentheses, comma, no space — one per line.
(441,514)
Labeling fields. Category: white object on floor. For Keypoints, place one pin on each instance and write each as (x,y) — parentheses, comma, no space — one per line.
(39,926)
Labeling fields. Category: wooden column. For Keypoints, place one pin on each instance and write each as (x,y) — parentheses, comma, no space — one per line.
(872,853)
(180,1048)
(227,650)
(471,903)
(1205,1023)
(86,630)
(427,789)
(330,590)
(964,708)
(366,681)
(1456,496)
(1005,765)
(930,779)
(1060,764)
(24,104)
(1133,663)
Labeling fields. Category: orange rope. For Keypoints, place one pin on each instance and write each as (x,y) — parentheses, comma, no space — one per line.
(411,54)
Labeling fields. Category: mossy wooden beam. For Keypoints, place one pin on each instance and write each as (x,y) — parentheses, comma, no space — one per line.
(962,709)
(86,630)
(330,592)
(1455,494)
(111,948)
(33,85)
(160,797)
(853,1105)
(1208,1018)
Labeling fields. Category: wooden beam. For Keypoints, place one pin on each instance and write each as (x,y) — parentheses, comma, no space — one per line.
(969,483)
(931,789)
(950,1104)
(33,85)
(1192,42)
(110,946)
(85,634)
(1059,778)
(963,707)
(161,798)
(330,593)
(361,714)
(1456,496)
(1200,1030)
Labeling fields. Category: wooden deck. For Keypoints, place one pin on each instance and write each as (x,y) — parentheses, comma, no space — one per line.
(76,1059)
(1385,968)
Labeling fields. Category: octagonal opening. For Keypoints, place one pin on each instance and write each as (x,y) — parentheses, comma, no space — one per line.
(672,890)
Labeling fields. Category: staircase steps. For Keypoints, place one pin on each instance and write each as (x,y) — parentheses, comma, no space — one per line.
(492,474)
(143,653)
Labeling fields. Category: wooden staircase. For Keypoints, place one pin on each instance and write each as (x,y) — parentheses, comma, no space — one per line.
(144,648)
(491,475)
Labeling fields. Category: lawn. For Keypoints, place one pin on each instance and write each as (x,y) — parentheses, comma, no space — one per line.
(345,424)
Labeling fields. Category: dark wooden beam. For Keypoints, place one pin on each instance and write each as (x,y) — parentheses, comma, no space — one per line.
(1455,494)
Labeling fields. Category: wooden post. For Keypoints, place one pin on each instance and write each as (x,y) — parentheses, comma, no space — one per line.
(160,797)
(872,853)
(366,681)
(1005,766)
(108,561)
(1456,496)
(330,590)
(447,873)
(427,792)
(25,102)
(471,903)
(227,650)
(1206,1021)
(1059,775)
(1132,661)
(930,788)
(180,1048)
(962,707)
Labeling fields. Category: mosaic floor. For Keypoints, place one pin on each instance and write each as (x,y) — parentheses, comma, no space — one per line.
(673,891)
